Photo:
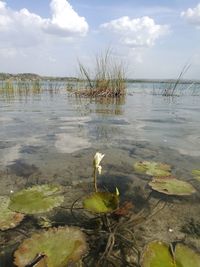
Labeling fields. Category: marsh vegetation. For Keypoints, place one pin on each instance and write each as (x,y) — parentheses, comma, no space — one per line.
(107,79)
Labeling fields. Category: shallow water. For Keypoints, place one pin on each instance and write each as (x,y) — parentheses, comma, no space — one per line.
(52,137)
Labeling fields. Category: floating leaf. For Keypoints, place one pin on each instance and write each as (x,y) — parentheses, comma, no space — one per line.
(157,254)
(172,186)
(61,246)
(101,202)
(8,218)
(36,199)
(196,174)
(186,257)
(152,168)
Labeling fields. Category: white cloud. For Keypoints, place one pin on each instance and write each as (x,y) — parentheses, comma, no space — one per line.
(192,15)
(136,33)
(20,29)
(65,20)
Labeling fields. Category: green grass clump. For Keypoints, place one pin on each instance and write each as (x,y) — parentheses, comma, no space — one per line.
(107,80)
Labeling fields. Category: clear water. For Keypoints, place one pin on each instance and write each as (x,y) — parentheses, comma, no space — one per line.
(46,123)
(50,136)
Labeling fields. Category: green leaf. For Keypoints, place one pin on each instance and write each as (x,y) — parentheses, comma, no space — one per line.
(196,174)
(172,186)
(101,202)
(8,218)
(37,199)
(186,257)
(157,254)
(152,168)
(61,246)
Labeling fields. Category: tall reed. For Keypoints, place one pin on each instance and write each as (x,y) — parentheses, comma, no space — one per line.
(108,79)
(171,89)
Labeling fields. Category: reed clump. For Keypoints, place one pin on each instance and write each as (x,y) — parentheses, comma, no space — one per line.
(107,80)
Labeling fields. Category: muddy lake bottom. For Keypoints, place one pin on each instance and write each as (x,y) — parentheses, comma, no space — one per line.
(52,139)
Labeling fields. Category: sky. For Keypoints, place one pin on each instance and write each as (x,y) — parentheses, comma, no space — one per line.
(153,39)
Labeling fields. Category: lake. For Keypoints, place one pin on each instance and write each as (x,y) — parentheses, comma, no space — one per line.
(50,136)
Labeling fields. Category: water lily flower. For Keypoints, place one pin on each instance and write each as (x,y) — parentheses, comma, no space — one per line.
(97,159)
(117,191)
(97,167)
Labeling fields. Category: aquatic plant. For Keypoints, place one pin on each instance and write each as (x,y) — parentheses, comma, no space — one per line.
(152,168)
(58,246)
(172,186)
(196,174)
(97,167)
(37,199)
(109,225)
(8,218)
(101,202)
(157,254)
(171,90)
(108,79)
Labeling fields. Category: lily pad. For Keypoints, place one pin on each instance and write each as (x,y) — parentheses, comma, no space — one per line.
(101,202)
(61,246)
(172,186)
(196,174)
(157,254)
(8,218)
(186,257)
(152,168)
(37,199)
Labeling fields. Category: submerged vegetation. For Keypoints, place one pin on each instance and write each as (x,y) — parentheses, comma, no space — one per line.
(102,233)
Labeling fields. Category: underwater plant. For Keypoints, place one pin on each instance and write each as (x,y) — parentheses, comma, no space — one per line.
(158,253)
(196,174)
(108,224)
(8,218)
(152,168)
(101,202)
(172,186)
(36,199)
(59,247)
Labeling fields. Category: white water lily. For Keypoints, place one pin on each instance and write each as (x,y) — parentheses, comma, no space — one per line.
(97,159)
(117,191)
(97,167)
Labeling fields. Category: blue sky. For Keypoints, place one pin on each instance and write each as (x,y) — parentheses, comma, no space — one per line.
(155,39)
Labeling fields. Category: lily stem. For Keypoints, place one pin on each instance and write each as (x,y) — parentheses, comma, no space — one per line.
(95,179)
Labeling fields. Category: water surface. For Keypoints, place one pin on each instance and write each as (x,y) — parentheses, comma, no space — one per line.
(51,136)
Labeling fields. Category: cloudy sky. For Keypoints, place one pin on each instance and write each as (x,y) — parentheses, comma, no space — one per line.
(154,38)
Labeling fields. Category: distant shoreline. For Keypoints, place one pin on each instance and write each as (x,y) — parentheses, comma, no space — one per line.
(33,76)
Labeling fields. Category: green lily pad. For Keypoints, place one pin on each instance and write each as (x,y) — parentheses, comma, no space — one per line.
(36,199)
(196,174)
(152,168)
(186,257)
(172,186)
(8,218)
(157,254)
(61,246)
(101,202)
